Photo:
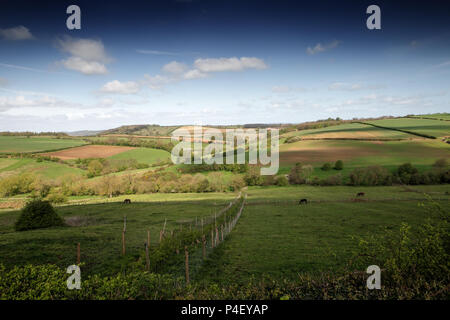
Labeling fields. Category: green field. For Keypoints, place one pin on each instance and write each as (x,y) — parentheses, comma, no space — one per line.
(99,231)
(276,236)
(19,144)
(143,155)
(435,128)
(351,131)
(47,169)
(273,236)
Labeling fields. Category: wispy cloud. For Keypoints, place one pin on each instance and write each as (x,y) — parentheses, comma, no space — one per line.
(157,52)
(229,64)
(344,86)
(322,47)
(14,66)
(16,33)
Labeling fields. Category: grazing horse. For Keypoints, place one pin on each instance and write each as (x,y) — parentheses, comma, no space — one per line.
(360,194)
(303,201)
(127,201)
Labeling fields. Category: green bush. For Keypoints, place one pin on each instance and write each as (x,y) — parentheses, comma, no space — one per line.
(371,176)
(326,166)
(440,163)
(282,181)
(56,197)
(38,214)
(339,165)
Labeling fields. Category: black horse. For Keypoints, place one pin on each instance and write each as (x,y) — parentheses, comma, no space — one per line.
(127,201)
(303,201)
(360,194)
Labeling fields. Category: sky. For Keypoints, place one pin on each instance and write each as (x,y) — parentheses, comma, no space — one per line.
(209,62)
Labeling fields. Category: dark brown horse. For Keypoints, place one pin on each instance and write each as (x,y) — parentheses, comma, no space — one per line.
(303,201)
(360,194)
(127,201)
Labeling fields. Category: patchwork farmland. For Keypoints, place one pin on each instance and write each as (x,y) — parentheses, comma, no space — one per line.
(402,177)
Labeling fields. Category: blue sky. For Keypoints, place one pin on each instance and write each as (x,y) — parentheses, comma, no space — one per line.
(218,62)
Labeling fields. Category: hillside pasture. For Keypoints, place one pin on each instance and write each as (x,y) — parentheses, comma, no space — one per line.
(22,144)
(98,228)
(364,153)
(47,169)
(283,239)
(351,131)
(435,128)
(143,155)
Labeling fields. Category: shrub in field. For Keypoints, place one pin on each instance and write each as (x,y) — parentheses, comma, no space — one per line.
(300,174)
(14,185)
(293,139)
(334,180)
(56,197)
(282,181)
(339,165)
(236,183)
(440,163)
(269,180)
(371,176)
(253,176)
(326,166)
(37,214)
(406,168)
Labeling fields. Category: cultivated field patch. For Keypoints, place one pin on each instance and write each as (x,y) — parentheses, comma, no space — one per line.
(90,151)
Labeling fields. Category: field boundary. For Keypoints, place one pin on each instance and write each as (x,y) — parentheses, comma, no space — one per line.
(426,118)
(400,130)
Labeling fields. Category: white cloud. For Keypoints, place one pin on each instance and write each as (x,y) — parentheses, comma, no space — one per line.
(156,82)
(175,67)
(16,33)
(22,101)
(85,66)
(194,74)
(88,56)
(229,64)
(322,47)
(116,86)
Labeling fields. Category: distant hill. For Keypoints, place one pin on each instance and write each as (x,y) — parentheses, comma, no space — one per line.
(142,130)
(84,133)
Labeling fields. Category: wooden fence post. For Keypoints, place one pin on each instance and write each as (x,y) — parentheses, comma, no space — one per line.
(123,243)
(147,258)
(123,234)
(186,252)
(148,238)
(204,247)
(212,238)
(78,253)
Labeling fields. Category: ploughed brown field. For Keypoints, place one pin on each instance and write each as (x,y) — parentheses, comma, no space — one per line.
(90,151)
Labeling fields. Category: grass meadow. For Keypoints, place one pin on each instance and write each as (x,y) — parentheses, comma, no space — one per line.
(21,144)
